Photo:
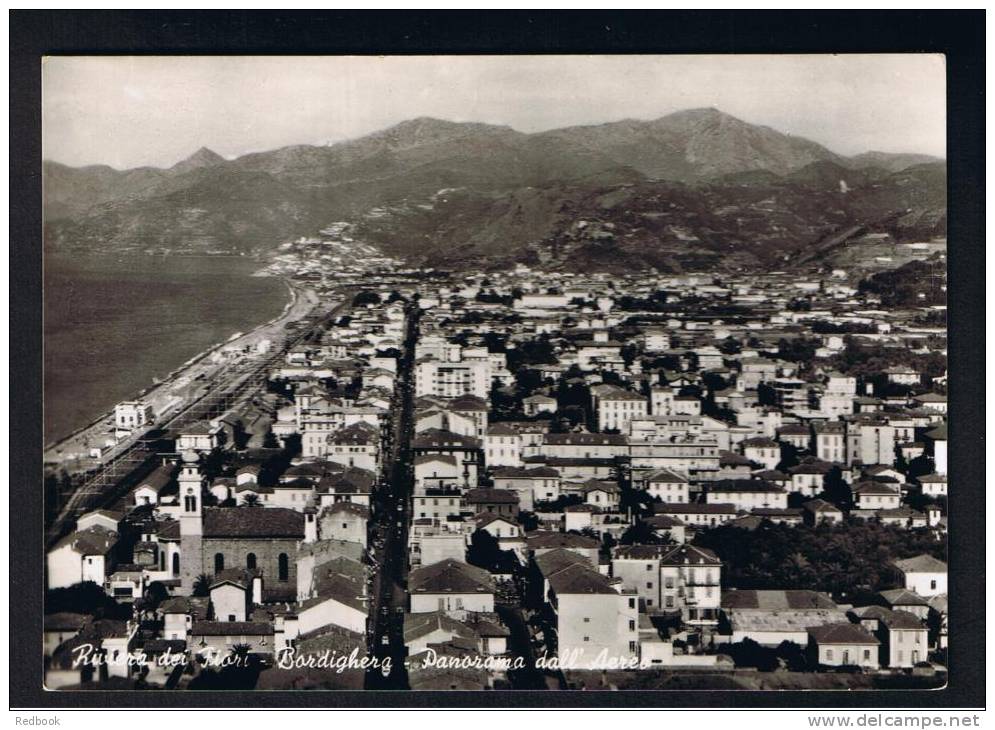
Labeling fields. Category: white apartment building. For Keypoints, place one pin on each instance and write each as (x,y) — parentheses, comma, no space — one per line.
(452,379)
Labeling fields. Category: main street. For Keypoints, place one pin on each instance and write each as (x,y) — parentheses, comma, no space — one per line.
(389,529)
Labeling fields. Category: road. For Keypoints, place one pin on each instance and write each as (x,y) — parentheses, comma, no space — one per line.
(390,526)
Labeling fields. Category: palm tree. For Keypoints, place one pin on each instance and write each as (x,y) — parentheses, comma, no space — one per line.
(251,500)
(202,586)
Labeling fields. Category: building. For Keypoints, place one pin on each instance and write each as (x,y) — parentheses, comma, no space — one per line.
(830,442)
(336,596)
(819,510)
(936,445)
(923,574)
(691,579)
(903,375)
(667,486)
(215,538)
(844,645)
(502,446)
(746,494)
(597,622)
(654,573)
(773,616)
(536,404)
(870,441)
(616,407)
(84,555)
(500,502)
(133,414)
(696,514)
(452,379)
(538,484)
(450,587)
(763,451)
(870,495)
(904,639)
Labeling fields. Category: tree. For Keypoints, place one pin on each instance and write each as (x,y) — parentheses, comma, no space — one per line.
(638,500)
(840,559)
(528,520)
(799,349)
(202,586)
(539,351)
(87,598)
(730,346)
(628,353)
(365,298)
(641,533)
(527,382)
(251,500)
(793,656)
(485,552)
(557,505)
(917,283)
(155,594)
(748,653)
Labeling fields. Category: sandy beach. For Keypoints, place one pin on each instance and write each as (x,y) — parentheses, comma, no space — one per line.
(177,389)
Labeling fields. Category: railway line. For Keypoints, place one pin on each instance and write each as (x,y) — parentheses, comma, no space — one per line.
(232,384)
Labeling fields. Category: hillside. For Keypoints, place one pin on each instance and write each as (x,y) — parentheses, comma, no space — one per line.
(670,226)
(688,189)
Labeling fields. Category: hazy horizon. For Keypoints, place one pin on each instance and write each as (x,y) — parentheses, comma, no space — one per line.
(129,112)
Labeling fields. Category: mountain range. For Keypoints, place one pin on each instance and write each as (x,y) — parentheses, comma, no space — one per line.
(694,188)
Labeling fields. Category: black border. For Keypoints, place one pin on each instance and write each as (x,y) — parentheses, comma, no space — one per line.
(958,34)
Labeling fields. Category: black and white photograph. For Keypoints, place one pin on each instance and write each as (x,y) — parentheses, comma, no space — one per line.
(574,374)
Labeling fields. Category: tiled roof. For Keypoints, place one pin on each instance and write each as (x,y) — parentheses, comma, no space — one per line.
(903,597)
(450,576)
(352,508)
(874,488)
(94,540)
(435,438)
(340,579)
(713,508)
(776,600)
(585,439)
(690,555)
(543,540)
(580,579)
(496,496)
(921,564)
(668,476)
(253,522)
(231,628)
(842,633)
(417,625)
(902,620)
(723,486)
(514,472)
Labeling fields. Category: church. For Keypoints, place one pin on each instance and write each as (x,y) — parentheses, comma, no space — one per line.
(213,539)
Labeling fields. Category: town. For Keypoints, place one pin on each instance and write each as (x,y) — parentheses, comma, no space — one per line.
(530,479)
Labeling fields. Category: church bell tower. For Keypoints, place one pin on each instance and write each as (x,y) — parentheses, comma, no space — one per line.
(191,491)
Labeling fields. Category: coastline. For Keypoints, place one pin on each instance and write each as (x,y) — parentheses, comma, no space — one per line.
(170,380)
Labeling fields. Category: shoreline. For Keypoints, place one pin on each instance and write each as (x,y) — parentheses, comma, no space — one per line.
(169,379)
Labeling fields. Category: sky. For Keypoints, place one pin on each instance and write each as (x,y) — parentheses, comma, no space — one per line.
(129,111)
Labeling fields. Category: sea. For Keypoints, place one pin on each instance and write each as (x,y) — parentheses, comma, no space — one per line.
(113,324)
